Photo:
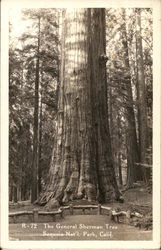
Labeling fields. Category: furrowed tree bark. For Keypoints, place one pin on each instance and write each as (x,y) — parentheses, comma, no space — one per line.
(133,173)
(81,165)
(142,107)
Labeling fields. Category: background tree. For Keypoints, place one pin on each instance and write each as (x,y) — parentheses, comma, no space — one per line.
(133,174)
(141,90)
(20,135)
(122,71)
(43,71)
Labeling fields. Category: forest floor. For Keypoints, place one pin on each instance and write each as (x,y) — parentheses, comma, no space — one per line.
(135,199)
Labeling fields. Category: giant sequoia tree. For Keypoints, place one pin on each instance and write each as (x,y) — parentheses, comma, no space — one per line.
(133,173)
(81,165)
(141,89)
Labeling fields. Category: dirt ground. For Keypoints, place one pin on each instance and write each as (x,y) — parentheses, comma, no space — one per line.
(135,199)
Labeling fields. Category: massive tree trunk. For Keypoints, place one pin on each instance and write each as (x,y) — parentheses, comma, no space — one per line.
(81,165)
(133,172)
(142,107)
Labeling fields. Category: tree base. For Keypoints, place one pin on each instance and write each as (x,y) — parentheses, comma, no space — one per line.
(49,200)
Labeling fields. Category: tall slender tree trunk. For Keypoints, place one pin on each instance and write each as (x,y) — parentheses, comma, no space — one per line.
(34,188)
(111,115)
(81,164)
(118,149)
(40,148)
(142,107)
(133,172)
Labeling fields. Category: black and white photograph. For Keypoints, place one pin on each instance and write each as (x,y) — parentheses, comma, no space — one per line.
(81,103)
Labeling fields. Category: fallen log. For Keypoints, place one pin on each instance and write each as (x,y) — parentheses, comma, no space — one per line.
(115,215)
(20,213)
(85,206)
(106,208)
(118,213)
(136,214)
(50,212)
(65,207)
